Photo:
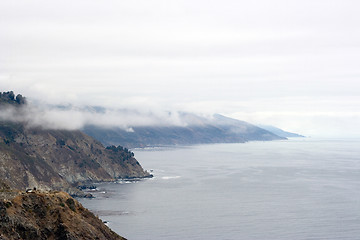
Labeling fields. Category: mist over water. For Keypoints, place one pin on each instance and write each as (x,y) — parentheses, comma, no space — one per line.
(295,189)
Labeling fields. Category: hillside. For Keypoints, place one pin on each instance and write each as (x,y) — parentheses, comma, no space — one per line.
(58,159)
(48,215)
(49,160)
(200,130)
(279,131)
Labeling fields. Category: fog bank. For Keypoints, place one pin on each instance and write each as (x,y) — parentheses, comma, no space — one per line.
(75,118)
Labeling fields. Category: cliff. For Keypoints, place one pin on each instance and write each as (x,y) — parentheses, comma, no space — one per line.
(48,216)
(57,159)
(51,160)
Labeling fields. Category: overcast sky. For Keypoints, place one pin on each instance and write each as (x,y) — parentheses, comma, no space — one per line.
(293,64)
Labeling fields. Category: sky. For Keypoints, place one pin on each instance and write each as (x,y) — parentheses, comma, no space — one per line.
(291,64)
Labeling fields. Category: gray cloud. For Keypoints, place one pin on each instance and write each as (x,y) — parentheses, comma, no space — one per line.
(225,56)
(74,118)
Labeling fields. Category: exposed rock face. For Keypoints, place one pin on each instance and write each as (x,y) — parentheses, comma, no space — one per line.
(49,215)
(57,159)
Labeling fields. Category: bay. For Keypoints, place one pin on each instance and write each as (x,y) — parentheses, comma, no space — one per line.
(295,189)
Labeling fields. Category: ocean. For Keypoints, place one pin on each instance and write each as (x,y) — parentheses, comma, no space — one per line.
(293,189)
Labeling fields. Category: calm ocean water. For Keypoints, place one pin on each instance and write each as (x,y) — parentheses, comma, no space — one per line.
(295,189)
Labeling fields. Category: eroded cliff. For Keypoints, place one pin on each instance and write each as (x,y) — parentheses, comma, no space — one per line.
(56,159)
(48,216)
(59,159)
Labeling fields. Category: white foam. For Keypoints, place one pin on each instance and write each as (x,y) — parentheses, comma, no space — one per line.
(170,177)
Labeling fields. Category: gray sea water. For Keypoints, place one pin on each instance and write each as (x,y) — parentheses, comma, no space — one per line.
(294,189)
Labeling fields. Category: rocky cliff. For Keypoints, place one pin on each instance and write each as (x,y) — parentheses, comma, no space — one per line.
(50,160)
(48,216)
(57,159)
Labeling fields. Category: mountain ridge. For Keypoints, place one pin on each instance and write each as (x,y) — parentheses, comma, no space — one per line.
(217,129)
(280,132)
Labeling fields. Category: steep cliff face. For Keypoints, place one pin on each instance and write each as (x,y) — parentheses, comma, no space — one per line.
(48,215)
(57,159)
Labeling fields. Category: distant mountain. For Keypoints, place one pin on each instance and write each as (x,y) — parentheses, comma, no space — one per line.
(199,130)
(279,131)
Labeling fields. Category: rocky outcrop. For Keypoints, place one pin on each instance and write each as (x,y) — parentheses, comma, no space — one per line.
(48,215)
